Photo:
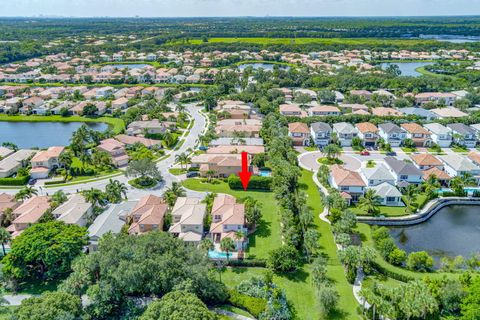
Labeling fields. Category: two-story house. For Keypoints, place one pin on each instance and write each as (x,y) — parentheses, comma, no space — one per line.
(228,217)
(291,110)
(147,215)
(347,181)
(45,161)
(368,132)
(324,111)
(321,133)
(345,133)
(299,133)
(404,171)
(392,134)
(116,149)
(418,134)
(377,175)
(458,165)
(28,213)
(425,161)
(187,219)
(463,134)
(441,135)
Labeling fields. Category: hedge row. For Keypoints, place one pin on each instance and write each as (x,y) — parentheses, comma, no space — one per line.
(18,181)
(253,305)
(256,183)
(248,263)
(391,274)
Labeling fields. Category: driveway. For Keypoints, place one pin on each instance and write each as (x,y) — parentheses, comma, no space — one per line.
(308,161)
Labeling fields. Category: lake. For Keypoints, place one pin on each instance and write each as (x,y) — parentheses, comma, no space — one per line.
(129,65)
(265,66)
(407,68)
(450,38)
(42,134)
(452,231)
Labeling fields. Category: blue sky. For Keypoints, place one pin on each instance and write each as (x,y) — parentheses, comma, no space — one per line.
(195,8)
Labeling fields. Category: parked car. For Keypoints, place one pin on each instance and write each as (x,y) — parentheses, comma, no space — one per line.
(192,174)
(364,153)
(31,182)
(391,153)
(203,148)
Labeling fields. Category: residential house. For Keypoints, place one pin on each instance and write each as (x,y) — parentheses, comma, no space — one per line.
(75,210)
(442,176)
(187,219)
(218,165)
(45,161)
(5,152)
(116,149)
(458,165)
(418,134)
(463,134)
(450,112)
(148,127)
(386,112)
(368,132)
(420,112)
(231,149)
(474,156)
(228,217)
(324,111)
(345,133)
(235,142)
(12,163)
(308,92)
(147,215)
(448,99)
(347,181)
(441,135)
(363,94)
(300,133)
(389,194)
(131,140)
(292,110)
(404,171)
(321,133)
(243,130)
(392,134)
(28,213)
(7,201)
(111,220)
(377,175)
(120,103)
(425,161)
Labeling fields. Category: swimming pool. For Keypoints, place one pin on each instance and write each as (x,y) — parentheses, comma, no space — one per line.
(212,254)
(265,173)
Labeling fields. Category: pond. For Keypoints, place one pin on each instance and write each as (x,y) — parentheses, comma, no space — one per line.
(129,65)
(452,231)
(259,65)
(407,68)
(450,38)
(42,134)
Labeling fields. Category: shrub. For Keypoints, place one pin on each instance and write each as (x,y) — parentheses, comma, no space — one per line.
(419,261)
(380,233)
(397,257)
(391,273)
(256,183)
(283,259)
(18,181)
(253,305)
(328,298)
(248,263)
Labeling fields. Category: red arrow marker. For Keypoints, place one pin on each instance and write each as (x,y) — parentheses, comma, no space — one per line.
(245,174)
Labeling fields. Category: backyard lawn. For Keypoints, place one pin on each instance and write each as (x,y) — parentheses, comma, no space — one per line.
(267,236)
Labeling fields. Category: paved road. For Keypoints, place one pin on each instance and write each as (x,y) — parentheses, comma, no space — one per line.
(191,138)
(309,160)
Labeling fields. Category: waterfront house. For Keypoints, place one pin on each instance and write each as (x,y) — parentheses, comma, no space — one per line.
(228,217)
(321,133)
(368,132)
(187,219)
(345,133)
(5,152)
(463,134)
(299,133)
(347,181)
(147,215)
(131,140)
(425,161)
(45,161)
(418,134)
(392,134)
(389,194)
(442,176)
(116,149)
(458,165)
(404,171)
(441,135)
(15,161)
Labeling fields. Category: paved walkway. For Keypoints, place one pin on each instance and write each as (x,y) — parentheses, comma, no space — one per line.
(231,314)
(15,299)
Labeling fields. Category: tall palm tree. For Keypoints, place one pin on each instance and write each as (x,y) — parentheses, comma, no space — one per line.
(227,245)
(332,151)
(26,193)
(94,196)
(183,159)
(210,174)
(6,217)
(239,235)
(370,201)
(5,237)
(410,196)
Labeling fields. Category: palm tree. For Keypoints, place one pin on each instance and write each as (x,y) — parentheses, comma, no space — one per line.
(114,191)
(410,196)
(239,235)
(370,201)
(332,151)
(227,245)
(94,196)
(66,159)
(182,158)
(210,174)
(26,193)
(6,217)
(5,237)
(430,186)
(171,194)
(206,244)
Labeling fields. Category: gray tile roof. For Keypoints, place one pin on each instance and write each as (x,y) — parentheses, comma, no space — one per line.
(461,128)
(390,128)
(321,127)
(110,220)
(385,189)
(344,127)
(402,167)
(380,172)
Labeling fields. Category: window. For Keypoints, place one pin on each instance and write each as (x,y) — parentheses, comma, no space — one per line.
(344,188)
(391,199)
(403,177)
(370,182)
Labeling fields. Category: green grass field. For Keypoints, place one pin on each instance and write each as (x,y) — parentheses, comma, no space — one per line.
(326,41)
(116,124)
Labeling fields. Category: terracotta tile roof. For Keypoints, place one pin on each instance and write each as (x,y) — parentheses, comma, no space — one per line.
(298,127)
(434,171)
(474,156)
(365,127)
(345,177)
(52,152)
(426,159)
(415,128)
